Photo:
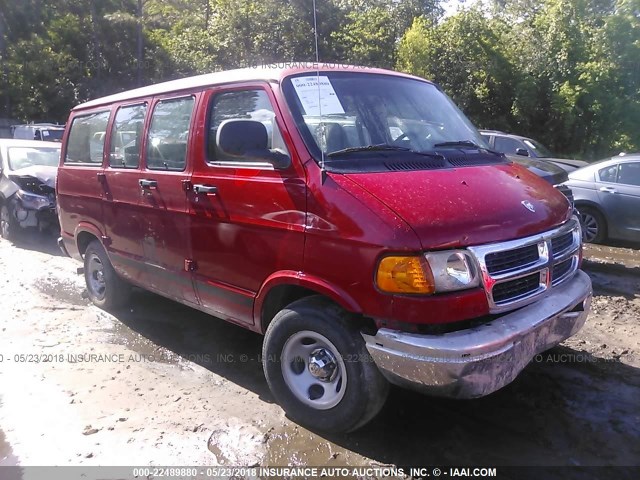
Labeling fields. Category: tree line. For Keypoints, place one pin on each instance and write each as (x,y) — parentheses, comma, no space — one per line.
(565,72)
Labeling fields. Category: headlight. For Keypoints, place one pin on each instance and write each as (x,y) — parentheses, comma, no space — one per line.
(433,272)
(453,270)
(32,201)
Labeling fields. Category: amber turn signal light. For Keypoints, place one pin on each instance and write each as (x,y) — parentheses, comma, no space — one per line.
(405,275)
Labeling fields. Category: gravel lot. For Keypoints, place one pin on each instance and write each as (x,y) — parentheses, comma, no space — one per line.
(160,383)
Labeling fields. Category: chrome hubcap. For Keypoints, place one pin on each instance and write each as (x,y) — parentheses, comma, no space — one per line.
(323,365)
(95,276)
(313,370)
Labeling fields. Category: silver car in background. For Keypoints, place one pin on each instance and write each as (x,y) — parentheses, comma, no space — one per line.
(607,195)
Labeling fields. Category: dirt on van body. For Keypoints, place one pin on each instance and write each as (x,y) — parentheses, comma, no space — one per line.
(158,383)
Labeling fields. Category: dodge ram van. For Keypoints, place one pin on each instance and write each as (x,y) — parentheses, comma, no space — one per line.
(352,216)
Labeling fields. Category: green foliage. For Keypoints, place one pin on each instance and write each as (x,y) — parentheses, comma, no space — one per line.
(463,55)
(562,71)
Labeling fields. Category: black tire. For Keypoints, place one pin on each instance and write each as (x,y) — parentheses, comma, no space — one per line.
(594,225)
(366,389)
(105,288)
(8,224)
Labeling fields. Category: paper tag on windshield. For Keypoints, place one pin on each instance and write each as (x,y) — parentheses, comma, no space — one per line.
(309,93)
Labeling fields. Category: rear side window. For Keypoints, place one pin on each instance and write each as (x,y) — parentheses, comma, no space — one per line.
(243,104)
(608,174)
(86,139)
(169,134)
(126,136)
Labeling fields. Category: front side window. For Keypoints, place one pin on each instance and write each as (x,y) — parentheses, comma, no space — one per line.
(629,173)
(86,139)
(126,137)
(507,145)
(539,149)
(169,134)
(247,105)
(608,174)
(337,111)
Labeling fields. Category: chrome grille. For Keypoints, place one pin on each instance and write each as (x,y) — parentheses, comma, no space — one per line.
(513,289)
(502,262)
(516,272)
(562,244)
(562,269)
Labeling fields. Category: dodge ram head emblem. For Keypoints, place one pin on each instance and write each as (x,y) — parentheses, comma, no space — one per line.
(528,205)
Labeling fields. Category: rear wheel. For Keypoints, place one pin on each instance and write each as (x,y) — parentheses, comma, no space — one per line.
(8,224)
(594,226)
(318,368)
(106,289)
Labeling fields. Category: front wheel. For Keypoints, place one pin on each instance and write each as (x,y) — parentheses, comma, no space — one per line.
(318,368)
(105,288)
(594,226)
(8,223)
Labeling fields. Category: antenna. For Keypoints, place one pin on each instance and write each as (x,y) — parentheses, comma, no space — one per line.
(323,136)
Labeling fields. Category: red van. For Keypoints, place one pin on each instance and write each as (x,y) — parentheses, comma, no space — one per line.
(353,216)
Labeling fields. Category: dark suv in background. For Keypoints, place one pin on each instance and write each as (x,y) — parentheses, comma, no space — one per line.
(527,147)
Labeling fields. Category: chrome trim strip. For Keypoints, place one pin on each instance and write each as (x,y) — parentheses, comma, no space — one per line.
(242,165)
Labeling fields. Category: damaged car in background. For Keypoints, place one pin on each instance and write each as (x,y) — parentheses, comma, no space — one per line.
(27,185)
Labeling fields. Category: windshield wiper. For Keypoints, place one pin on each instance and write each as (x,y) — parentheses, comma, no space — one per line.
(380,148)
(460,143)
(467,143)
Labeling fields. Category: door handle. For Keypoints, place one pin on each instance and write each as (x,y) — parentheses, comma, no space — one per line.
(208,189)
(147,184)
(102,177)
(608,189)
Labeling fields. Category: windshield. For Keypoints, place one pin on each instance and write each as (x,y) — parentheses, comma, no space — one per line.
(22,157)
(539,149)
(363,110)
(52,135)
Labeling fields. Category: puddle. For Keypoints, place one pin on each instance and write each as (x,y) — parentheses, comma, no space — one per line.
(624,256)
(295,446)
(64,291)
(615,284)
(146,349)
(238,443)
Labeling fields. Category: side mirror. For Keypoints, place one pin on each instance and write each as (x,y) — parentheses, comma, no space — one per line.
(248,140)
(522,151)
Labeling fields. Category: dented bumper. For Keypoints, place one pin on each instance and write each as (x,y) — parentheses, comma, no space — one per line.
(478,361)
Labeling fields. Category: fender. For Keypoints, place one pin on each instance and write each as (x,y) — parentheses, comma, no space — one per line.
(302,279)
(89,228)
(588,203)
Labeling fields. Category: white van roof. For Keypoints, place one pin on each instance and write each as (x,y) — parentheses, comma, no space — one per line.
(265,73)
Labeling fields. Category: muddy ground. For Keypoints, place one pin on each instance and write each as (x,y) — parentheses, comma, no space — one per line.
(167,385)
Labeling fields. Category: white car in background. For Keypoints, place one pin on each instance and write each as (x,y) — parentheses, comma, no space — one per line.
(28,171)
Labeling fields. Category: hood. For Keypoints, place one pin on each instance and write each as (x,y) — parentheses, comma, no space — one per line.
(459,207)
(568,165)
(44,173)
(552,173)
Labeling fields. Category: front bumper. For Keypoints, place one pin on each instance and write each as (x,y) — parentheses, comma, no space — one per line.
(478,361)
(26,217)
